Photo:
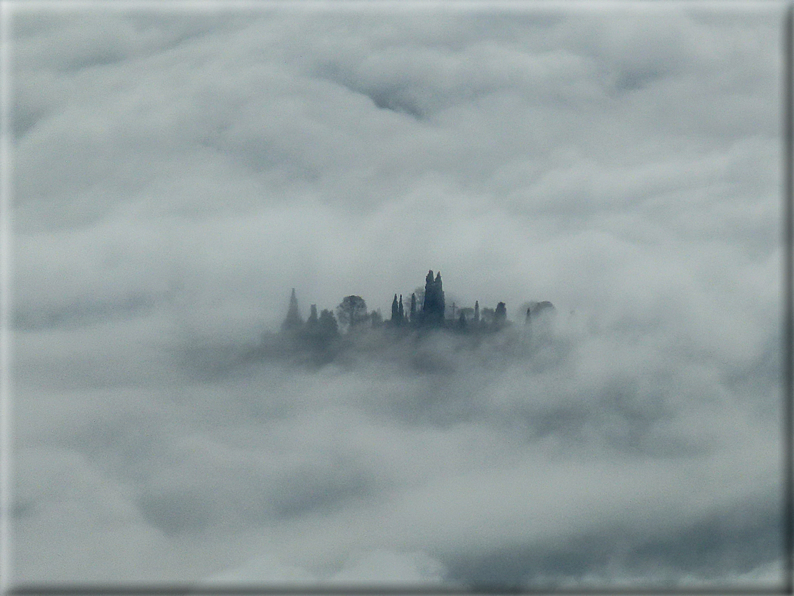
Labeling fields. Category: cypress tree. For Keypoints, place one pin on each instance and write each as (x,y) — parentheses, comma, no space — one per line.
(395,310)
(500,315)
(428,305)
(312,320)
(293,319)
(433,307)
(439,299)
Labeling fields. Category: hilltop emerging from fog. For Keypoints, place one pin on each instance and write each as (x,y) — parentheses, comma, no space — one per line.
(335,335)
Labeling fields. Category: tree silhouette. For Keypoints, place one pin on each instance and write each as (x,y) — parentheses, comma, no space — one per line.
(351,311)
(293,319)
(543,306)
(312,321)
(433,305)
(429,302)
(439,297)
(500,315)
(395,310)
(327,324)
(413,307)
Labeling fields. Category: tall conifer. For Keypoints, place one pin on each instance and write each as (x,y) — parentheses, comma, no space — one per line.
(395,310)
(293,319)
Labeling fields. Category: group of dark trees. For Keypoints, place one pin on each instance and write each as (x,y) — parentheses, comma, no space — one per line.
(323,325)
(330,334)
(352,314)
(433,312)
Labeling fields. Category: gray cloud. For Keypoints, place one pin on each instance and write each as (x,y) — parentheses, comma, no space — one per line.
(177,173)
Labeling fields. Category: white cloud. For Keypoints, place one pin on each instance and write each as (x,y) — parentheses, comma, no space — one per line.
(177,174)
(378,567)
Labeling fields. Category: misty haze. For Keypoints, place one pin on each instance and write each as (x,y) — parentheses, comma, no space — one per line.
(380,295)
(422,334)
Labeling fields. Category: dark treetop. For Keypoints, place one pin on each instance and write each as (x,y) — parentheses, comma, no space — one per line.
(326,336)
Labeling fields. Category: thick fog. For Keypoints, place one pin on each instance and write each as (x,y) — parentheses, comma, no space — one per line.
(178,172)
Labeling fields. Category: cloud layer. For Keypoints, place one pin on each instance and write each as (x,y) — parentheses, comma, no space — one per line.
(177,173)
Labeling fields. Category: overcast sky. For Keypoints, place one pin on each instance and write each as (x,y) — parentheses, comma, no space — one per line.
(177,172)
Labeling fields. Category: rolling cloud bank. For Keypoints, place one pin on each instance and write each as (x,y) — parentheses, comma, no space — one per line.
(178,172)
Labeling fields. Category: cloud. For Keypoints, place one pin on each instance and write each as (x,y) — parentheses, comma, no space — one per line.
(379,567)
(178,173)
(62,497)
